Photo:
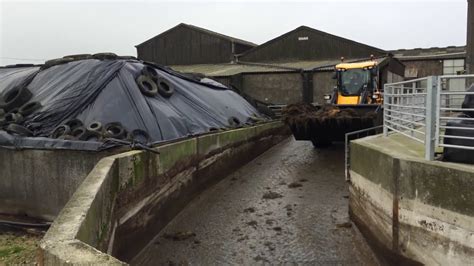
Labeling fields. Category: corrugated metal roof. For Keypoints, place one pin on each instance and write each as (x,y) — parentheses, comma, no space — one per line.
(214,70)
(430,53)
(318,32)
(213,33)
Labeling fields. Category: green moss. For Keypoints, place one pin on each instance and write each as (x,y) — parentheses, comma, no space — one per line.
(172,153)
(8,251)
(439,186)
(267,126)
(18,248)
(138,169)
(372,165)
(102,232)
(208,143)
(236,135)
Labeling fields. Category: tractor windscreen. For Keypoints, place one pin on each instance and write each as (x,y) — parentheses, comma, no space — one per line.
(353,80)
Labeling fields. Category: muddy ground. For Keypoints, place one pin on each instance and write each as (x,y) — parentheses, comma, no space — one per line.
(288,205)
(18,247)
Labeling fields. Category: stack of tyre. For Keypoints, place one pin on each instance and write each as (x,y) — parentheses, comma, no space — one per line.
(151,84)
(15,107)
(74,129)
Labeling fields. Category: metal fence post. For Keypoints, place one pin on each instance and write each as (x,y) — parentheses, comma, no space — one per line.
(385,110)
(431,107)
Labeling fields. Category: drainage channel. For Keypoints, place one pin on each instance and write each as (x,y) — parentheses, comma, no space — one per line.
(288,205)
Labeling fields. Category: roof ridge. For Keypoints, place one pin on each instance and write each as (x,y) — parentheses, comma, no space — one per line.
(206,31)
(310,29)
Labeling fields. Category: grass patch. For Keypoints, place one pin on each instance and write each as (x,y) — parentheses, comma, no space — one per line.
(4,252)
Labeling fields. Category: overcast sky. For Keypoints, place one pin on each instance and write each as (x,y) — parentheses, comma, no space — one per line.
(31,31)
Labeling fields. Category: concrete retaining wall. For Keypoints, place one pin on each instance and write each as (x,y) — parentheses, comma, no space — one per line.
(38,183)
(411,209)
(130,197)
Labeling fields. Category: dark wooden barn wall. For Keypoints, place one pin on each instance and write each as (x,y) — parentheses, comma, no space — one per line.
(183,46)
(318,46)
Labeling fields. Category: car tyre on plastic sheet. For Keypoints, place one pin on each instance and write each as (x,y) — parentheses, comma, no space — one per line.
(92,136)
(79,56)
(139,135)
(104,56)
(95,126)
(57,61)
(234,121)
(114,130)
(15,98)
(79,133)
(165,89)
(29,108)
(60,130)
(16,129)
(150,72)
(147,86)
(73,123)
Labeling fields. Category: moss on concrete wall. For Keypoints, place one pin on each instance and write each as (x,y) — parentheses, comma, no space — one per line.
(88,216)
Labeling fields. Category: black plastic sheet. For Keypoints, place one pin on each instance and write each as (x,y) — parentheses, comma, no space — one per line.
(106,91)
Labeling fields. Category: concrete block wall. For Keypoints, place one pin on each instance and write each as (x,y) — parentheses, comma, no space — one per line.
(278,88)
(412,210)
(323,83)
(129,197)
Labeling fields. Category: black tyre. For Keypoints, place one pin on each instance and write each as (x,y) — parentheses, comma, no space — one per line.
(95,126)
(234,121)
(147,86)
(139,135)
(126,57)
(73,123)
(21,65)
(92,136)
(164,88)
(14,117)
(29,108)
(15,98)
(104,56)
(114,130)
(34,126)
(57,61)
(16,129)
(79,56)
(265,110)
(79,133)
(150,72)
(60,131)
(321,143)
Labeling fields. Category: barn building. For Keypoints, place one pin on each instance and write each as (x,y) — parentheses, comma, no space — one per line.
(296,66)
(186,44)
(422,62)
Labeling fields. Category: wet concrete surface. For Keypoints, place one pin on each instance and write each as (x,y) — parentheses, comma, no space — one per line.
(290,205)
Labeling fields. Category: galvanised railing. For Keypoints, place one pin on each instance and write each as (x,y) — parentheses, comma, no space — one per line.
(420,109)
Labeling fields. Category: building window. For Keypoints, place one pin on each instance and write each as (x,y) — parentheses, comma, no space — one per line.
(453,66)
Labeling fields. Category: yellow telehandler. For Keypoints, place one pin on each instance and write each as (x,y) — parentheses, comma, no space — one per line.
(356,103)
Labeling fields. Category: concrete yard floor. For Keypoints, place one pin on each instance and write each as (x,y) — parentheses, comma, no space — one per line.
(288,205)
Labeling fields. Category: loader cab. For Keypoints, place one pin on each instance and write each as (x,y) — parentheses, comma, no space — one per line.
(356,83)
